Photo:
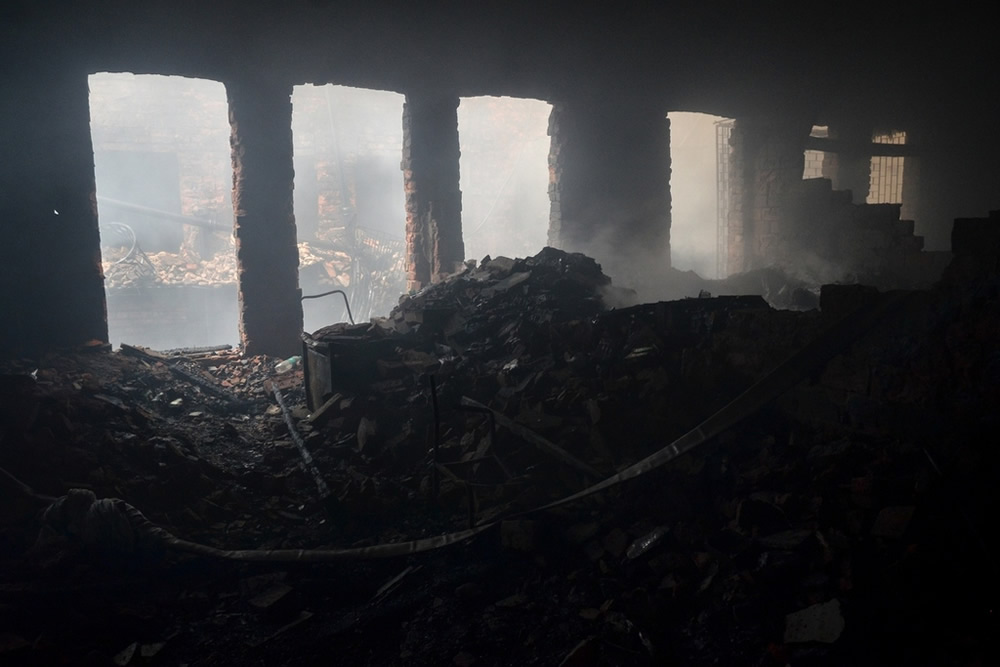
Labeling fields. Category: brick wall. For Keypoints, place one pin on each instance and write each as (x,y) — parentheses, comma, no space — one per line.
(430,163)
(779,165)
(808,228)
(267,256)
(767,161)
(831,239)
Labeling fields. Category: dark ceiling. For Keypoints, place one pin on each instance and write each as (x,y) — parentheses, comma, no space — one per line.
(891,63)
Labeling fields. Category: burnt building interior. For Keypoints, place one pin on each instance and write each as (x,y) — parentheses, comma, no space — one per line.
(579,456)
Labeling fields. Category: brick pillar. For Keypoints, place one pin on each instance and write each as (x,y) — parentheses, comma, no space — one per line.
(766,164)
(609,183)
(51,280)
(912,189)
(434,245)
(260,115)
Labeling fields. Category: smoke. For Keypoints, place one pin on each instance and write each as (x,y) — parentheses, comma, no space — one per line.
(504,175)
(638,264)
(693,270)
(693,189)
(347,148)
(810,268)
(348,144)
(162,142)
(641,271)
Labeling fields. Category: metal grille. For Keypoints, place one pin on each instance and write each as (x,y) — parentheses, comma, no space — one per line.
(379,273)
(723,131)
(886,185)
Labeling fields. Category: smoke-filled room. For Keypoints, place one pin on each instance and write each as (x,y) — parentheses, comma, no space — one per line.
(498,334)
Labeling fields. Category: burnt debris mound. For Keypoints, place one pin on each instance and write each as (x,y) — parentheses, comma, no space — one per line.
(832,504)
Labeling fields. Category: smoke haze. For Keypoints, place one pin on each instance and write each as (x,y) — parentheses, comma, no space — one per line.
(504,175)
(693,229)
(162,142)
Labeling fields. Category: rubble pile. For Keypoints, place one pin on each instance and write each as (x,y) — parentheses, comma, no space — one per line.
(844,523)
(131,427)
(333,267)
(534,340)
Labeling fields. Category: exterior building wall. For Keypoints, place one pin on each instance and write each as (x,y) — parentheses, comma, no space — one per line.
(808,227)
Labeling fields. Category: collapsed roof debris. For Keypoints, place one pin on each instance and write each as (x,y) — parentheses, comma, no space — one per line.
(842,522)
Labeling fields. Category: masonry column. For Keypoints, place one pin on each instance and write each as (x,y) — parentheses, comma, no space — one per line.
(51,280)
(609,183)
(260,115)
(912,190)
(434,245)
(766,168)
(743,144)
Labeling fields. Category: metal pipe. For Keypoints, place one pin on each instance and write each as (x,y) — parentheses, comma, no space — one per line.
(165,215)
(341,292)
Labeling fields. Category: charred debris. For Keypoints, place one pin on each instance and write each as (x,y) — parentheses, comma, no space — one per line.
(746,485)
